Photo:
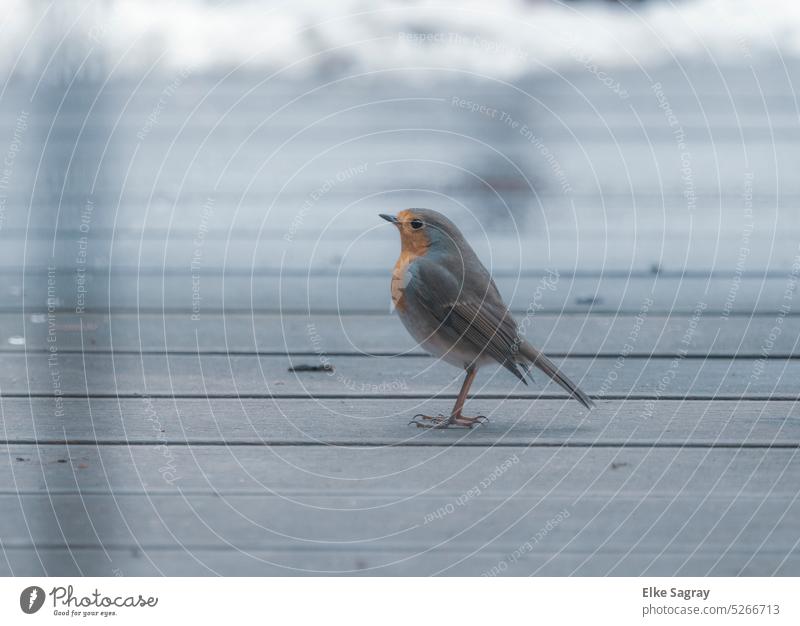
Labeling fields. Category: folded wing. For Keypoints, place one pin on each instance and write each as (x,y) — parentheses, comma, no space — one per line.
(477,317)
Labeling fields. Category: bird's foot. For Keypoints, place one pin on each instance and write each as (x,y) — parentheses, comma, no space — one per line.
(441,421)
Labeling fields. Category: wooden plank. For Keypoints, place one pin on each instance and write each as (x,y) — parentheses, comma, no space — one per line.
(762,87)
(302,474)
(500,209)
(372,113)
(541,217)
(439,114)
(456,126)
(574,249)
(722,82)
(701,92)
(577,125)
(591,167)
(208,291)
(81,561)
(412,107)
(580,334)
(383,422)
(716,525)
(268,376)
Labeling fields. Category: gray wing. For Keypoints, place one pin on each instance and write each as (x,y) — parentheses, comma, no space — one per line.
(476,317)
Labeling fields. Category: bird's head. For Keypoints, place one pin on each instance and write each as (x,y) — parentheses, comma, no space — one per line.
(423,231)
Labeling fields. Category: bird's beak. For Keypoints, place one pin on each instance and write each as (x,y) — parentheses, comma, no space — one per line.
(389,218)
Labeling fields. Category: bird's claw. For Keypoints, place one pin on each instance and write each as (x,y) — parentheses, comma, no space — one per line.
(437,421)
(441,422)
(469,422)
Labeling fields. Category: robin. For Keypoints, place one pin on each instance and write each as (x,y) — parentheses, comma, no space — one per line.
(449,303)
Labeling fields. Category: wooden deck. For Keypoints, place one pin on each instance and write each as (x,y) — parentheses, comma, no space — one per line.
(161,431)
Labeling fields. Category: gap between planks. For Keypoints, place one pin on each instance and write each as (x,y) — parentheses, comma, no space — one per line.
(405,444)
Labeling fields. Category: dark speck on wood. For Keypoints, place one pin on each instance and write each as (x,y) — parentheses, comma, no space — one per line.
(325,367)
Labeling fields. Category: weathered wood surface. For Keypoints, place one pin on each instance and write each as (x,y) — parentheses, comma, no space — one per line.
(380,422)
(615,499)
(184,446)
(619,524)
(399,473)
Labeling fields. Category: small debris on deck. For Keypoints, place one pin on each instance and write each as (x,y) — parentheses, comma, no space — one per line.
(305,367)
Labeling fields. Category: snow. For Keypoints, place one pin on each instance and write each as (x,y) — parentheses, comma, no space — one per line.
(504,38)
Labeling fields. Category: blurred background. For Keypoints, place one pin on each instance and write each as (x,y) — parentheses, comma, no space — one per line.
(189,193)
(617,136)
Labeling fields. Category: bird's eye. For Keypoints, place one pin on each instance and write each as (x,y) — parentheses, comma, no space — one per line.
(416,224)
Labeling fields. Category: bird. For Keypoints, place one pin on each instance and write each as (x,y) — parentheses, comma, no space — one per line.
(449,303)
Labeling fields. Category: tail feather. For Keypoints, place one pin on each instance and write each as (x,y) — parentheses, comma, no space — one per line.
(550,368)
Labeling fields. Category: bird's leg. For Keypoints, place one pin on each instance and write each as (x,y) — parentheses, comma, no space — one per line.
(456,418)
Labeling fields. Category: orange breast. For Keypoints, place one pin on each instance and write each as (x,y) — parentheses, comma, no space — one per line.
(399,277)
(398,297)
(414,244)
